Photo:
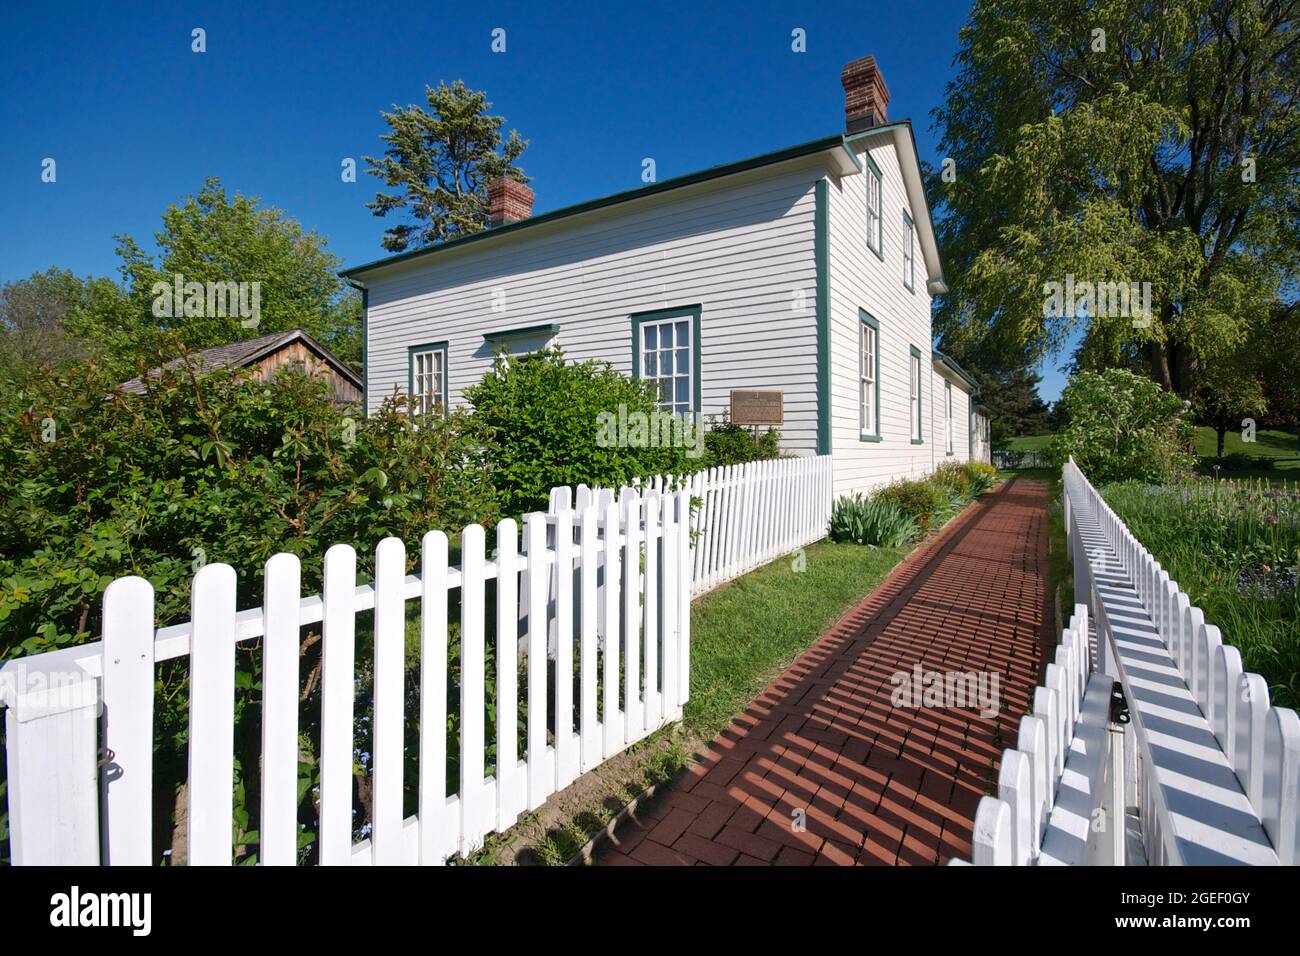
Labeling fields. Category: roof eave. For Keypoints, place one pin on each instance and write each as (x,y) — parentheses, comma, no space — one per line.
(838,156)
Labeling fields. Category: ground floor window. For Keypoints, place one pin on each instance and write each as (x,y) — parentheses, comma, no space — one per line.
(427,378)
(869,377)
(916,395)
(666,353)
(947,417)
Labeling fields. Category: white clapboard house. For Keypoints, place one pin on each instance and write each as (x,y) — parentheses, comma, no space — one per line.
(808,271)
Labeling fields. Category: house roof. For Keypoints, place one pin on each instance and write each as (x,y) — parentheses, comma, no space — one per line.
(838,148)
(248,351)
(941,359)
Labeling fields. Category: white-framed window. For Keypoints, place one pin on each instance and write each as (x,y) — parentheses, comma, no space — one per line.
(909,256)
(428,378)
(916,395)
(875,237)
(666,351)
(947,416)
(868,375)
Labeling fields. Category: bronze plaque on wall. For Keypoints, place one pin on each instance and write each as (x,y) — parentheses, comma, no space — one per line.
(755,407)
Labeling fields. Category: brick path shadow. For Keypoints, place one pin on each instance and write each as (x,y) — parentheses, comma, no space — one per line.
(823,767)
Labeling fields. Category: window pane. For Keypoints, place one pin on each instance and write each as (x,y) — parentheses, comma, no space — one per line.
(666,335)
(651,365)
(683,336)
(649,336)
(683,389)
(682,366)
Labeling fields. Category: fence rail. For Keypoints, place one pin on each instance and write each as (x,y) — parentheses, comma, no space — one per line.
(594,600)
(1026,458)
(743,515)
(1180,757)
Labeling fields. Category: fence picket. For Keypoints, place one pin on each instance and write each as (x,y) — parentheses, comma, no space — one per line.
(653,704)
(634,711)
(128,668)
(541,768)
(590,725)
(282,591)
(511,781)
(439,816)
(477,797)
(566,742)
(338,696)
(1280,803)
(387,747)
(611,714)
(211,795)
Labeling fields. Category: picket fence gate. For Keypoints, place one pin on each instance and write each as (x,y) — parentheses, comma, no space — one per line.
(743,516)
(607,583)
(1173,754)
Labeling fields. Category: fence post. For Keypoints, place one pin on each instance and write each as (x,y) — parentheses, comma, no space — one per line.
(128,668)
(52,760)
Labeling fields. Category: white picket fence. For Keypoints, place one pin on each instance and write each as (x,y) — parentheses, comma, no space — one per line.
(744,515)
(1193,766)
(604,585)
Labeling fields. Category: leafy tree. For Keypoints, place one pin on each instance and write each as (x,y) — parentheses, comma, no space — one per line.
(1230,389)
(1280,359)
(1128,141)
(544,416)
(1016,407)
(213,237)
(54,318)
(442,160)
(1123,426)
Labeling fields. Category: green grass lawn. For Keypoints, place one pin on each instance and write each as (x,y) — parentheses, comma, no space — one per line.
(1269,443)
(1029,443)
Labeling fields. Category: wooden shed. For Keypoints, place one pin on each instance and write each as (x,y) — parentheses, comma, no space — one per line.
(267,354)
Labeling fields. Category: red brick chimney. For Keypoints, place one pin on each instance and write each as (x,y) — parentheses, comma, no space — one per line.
(508,201)
(865,95)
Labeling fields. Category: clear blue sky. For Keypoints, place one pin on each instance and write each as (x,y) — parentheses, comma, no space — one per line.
(136,120)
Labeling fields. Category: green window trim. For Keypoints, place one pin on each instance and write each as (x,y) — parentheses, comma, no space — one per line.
(550,328)
(865,319)
(873,173)
(918,434)
(909,253)
(412,352)
(658,315)
(949,445)
(821,257)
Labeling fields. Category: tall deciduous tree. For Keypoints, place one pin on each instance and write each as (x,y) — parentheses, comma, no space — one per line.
(441,161)
(214,237)
(1124,141)
(54,318)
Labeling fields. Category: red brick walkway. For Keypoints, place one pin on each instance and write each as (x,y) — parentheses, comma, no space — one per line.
(875,783)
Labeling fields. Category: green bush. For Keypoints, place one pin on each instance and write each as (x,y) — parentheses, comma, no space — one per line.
(981,476)
(920,500)
(875,522)
(1123,426)
(545,418)
(205,468)
(952,477)
(211,467)
(729,444)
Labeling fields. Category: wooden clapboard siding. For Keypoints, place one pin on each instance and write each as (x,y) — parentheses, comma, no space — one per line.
(960,416)
(741,248)
(343,390)
(861,280)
